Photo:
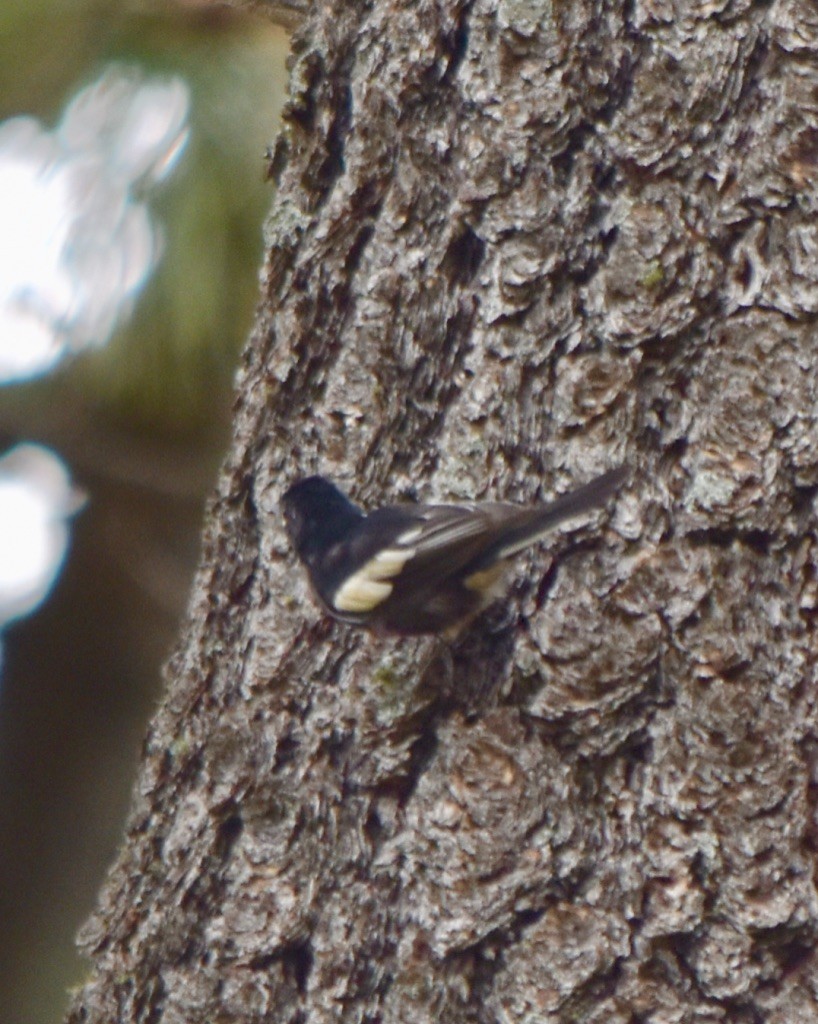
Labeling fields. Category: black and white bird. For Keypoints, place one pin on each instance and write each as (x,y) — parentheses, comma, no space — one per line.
(411,569)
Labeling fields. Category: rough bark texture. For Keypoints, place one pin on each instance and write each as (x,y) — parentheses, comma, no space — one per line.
(514,244)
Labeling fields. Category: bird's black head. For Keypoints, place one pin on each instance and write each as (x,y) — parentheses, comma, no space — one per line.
(317,515)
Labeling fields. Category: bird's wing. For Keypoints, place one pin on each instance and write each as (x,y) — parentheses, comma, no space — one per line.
(415,545)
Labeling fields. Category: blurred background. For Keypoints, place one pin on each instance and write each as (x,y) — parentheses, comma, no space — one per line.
(132,198)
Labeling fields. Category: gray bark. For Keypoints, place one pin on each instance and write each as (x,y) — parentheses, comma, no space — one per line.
(513,244)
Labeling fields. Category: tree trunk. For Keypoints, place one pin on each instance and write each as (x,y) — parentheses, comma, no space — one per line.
(513,245)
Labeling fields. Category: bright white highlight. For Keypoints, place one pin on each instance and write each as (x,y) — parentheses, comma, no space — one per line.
(77,244)
(37,501)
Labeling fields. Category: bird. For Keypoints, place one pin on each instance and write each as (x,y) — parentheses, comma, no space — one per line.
(414,569)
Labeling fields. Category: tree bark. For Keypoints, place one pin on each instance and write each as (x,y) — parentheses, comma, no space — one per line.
(513,244)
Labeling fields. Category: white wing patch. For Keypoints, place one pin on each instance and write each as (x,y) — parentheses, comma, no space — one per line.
(359,594)
(369,586)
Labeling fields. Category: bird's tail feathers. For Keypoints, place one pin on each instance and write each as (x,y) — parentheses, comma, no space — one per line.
(536,523)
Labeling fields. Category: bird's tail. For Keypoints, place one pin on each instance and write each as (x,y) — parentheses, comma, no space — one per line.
(537,522)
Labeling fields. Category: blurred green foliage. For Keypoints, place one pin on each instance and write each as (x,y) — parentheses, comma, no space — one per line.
(177,354)
(142,422)
(172,360)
